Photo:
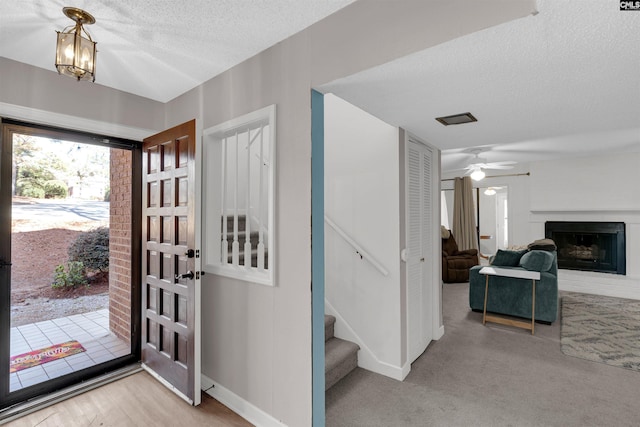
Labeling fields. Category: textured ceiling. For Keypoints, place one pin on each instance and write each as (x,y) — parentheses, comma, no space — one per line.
(563,82)
(560,83)
(159,49)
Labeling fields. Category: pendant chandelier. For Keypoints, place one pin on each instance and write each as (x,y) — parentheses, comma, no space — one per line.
(75,53)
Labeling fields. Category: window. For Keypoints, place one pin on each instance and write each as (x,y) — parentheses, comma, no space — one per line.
(238,187)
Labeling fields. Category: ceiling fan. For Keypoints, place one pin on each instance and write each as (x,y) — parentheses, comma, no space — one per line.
(491,191)
(476,169)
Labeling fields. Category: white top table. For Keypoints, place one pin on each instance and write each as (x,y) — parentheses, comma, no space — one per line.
(508,272)
(516,274)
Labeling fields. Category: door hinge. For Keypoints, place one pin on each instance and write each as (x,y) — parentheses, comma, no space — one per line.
(197,253)
(199,273)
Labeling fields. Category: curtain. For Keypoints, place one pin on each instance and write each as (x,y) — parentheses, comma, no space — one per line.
(464,217)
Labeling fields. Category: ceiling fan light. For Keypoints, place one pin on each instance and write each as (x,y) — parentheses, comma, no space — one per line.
(490,191)
(477,174)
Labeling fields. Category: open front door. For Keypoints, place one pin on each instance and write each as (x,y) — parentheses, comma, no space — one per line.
(171,261)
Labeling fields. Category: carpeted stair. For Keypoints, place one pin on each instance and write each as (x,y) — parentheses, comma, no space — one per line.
(340,356)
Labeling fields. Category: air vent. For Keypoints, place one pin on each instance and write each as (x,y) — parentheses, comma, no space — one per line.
(457,119)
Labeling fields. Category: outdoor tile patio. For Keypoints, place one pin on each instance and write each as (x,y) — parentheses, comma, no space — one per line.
(89,329)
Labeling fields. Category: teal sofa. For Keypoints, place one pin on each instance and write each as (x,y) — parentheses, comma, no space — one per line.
(511,296)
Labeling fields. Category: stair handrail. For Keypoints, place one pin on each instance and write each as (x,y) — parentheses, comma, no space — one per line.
(359,249)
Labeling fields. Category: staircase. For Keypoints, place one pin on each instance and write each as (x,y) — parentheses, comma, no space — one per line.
(242,238)
(340,356)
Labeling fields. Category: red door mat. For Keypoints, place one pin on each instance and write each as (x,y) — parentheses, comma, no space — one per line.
(44,355)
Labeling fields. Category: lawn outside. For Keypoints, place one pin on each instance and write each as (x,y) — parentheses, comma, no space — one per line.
(42,231)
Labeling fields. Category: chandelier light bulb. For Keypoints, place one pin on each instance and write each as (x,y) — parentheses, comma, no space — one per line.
(68,52)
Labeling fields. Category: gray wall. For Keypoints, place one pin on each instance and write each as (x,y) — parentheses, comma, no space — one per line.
(30,87)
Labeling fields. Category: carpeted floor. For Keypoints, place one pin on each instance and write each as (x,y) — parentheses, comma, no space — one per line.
(601,329)
(490,375)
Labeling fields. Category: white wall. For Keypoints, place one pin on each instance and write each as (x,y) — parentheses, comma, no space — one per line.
(602,188)
(487,222)
(362,196)
(444,210)
(587,184)
(447,201)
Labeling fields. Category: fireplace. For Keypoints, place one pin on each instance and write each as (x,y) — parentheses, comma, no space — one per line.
(589,246)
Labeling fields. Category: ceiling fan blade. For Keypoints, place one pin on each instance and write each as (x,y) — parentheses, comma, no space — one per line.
(490,166)
(508,162)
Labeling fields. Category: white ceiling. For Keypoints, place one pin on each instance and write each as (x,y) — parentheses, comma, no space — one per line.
(563,82)
(158,49)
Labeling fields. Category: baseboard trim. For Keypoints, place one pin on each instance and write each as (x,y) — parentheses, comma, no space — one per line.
(374,365)
(366,358)
(406,368)
(246,410)
(439,333)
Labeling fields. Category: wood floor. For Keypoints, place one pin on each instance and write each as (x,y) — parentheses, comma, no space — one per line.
(137,400)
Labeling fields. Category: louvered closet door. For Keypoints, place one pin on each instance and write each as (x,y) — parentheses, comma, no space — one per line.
(171,263)
(419,253)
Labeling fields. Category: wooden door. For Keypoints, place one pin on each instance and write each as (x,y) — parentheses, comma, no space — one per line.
(171,261)
(419,254)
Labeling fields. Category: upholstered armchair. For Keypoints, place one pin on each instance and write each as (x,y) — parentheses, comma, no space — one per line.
(456,263)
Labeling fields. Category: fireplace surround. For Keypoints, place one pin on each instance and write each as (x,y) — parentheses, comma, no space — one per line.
(589,246)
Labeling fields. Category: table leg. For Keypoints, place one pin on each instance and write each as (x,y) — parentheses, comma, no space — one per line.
(486,292)
(533,305)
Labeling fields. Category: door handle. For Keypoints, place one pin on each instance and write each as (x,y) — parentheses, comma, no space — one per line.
(187,275)
(422,259)
(4,263)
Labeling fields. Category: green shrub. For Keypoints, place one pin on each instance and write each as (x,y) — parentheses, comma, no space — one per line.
(55,189)
(26,189)
(31,180)
(91,248)
(107,195)
(73,277)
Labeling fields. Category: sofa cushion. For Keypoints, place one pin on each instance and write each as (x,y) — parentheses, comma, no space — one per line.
(507,258)
(537,260)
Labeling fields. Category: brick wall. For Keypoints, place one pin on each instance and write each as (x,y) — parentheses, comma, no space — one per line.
(120,245)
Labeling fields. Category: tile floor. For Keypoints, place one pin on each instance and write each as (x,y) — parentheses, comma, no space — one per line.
(90,329)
